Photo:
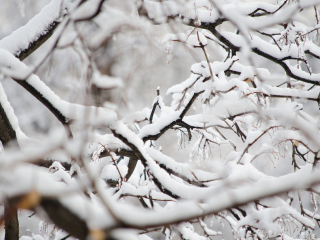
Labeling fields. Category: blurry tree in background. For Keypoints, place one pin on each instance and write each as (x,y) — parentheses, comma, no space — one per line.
(160,119)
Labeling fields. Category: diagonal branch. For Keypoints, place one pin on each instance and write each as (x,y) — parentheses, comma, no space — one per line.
(33,46)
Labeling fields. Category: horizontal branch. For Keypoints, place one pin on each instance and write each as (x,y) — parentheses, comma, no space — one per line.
(226,199)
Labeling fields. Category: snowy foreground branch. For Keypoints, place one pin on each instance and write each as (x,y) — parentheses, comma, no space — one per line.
(246,121)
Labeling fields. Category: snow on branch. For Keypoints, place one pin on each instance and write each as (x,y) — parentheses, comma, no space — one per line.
(28,38)
(63,110)
(235,141)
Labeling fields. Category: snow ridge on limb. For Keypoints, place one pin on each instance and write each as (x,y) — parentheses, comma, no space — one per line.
(25,40)
(64,111)
(8,121)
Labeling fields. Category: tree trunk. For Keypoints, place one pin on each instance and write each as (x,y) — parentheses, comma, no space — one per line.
(11,222)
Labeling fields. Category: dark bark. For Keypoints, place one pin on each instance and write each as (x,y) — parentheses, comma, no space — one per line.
(188,180)
(48,163)
(131,166)
(140,156)
(7,134)
(64,120)
(23,54)
(11,222)
(65,219)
